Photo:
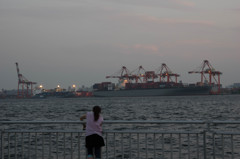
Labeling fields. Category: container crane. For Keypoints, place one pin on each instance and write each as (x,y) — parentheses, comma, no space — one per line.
(150,76)
(207,68)
(143,75)
(24,83)
(122,74)
(138,74)
(165,74)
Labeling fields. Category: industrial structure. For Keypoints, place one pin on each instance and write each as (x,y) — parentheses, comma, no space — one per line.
(24,85)
(165,74)
(142,79)
(162,82)
(207,68)
(140,75)
(123,73)
(140,82)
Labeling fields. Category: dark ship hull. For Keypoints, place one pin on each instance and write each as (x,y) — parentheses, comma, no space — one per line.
(170,91)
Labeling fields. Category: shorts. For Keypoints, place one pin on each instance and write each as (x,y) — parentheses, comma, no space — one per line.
(94,141)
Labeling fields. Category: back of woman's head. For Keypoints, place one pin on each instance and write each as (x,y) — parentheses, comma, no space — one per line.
(96,111)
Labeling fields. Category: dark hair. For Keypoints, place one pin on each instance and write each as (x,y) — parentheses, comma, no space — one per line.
(96,111)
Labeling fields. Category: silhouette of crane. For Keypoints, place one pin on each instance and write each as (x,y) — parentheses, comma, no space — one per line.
(23,85)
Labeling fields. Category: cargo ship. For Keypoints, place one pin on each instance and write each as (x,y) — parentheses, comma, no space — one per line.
(162,82)
(108,89)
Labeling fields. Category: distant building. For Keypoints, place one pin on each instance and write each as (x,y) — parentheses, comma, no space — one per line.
(8,93)
(234,88)
(236,85)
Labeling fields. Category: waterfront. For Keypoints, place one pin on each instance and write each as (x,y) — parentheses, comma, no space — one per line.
(171,108)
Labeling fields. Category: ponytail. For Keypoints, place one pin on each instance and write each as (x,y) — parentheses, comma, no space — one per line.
(96,111)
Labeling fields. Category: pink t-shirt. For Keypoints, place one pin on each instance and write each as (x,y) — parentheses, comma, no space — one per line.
(93,127)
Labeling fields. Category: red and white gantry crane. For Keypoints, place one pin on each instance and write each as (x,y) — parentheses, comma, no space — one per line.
(207,68)
(165,74)
(24,85)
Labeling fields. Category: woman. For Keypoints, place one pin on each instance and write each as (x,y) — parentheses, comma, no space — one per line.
(94,140)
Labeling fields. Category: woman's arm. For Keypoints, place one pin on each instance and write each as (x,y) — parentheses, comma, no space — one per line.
(83,117)
(101,122)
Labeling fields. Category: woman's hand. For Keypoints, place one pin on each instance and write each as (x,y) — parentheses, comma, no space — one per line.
(82,118)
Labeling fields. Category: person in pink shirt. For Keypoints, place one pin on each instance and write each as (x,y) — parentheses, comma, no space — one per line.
(94,140)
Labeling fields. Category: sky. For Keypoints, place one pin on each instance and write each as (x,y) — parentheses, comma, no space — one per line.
(65,42)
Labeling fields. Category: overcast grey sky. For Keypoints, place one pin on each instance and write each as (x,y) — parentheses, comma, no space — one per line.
(81,41)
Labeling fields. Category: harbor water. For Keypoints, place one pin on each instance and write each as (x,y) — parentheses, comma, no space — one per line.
(172,108)
(212,107)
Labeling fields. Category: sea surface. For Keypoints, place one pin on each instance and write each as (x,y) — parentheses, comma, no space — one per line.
(214,107)
(173,108)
